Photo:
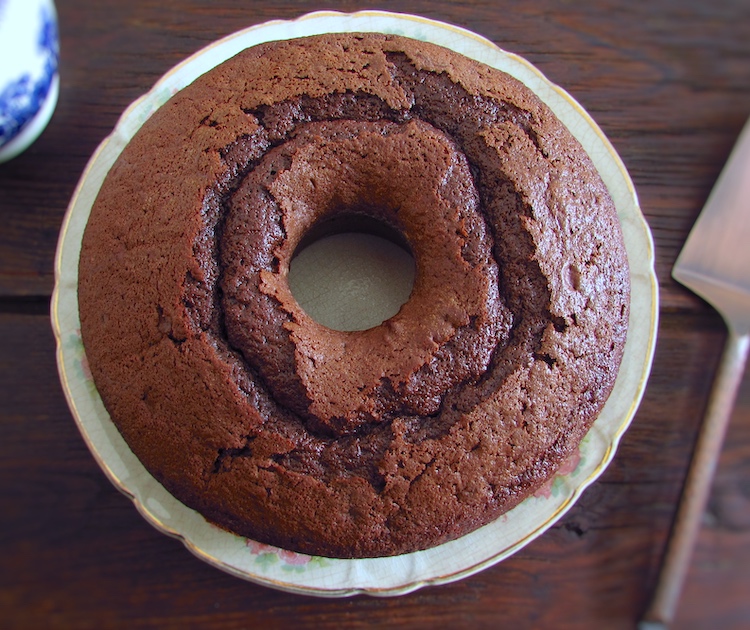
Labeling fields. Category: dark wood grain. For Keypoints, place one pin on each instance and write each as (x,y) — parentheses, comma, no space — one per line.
(669,83)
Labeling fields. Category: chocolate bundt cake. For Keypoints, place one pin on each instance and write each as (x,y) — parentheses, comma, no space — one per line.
(361,443)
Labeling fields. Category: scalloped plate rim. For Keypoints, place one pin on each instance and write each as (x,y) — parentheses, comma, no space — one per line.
(98,166)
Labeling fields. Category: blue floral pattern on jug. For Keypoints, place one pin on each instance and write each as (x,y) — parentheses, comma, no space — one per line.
(21,99)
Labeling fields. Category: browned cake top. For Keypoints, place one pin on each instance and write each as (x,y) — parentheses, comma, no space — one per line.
(373,442)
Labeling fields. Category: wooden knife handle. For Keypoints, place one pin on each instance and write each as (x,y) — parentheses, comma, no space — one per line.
(697,487)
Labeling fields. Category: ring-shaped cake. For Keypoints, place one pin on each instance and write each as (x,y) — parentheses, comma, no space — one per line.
(364,443)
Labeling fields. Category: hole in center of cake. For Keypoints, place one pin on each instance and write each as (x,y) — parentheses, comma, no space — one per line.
(352,273)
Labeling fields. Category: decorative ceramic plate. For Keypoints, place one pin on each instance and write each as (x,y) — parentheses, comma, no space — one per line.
(376,576)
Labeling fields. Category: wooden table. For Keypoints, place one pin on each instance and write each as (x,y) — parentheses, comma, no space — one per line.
(667,80)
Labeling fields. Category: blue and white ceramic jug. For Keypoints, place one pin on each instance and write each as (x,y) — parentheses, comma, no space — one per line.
(29,81)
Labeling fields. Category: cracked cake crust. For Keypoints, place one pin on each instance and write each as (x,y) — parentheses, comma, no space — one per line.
(367,443)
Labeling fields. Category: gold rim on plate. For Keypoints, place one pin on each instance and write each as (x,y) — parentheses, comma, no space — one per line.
(397,575)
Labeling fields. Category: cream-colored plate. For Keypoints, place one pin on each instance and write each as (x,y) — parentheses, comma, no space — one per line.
(380,576)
